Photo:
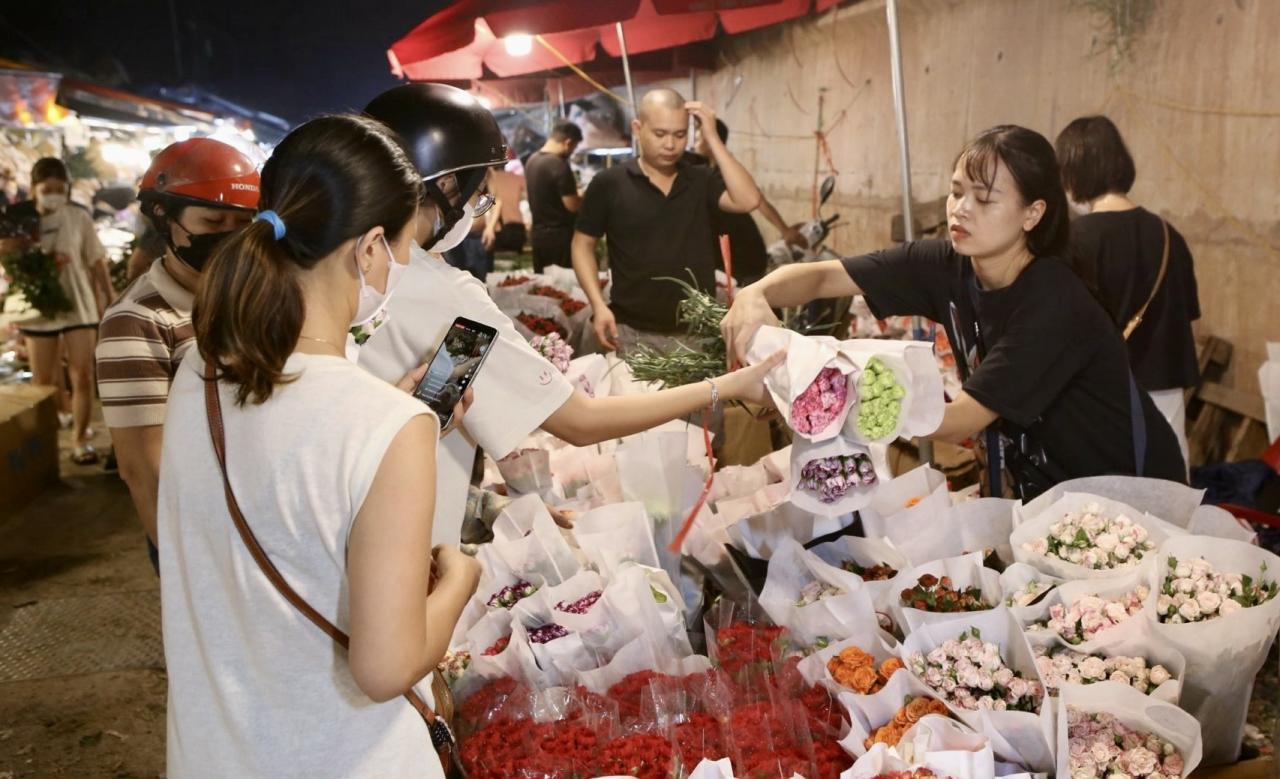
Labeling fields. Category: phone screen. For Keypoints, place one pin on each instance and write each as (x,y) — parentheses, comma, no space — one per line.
(454,366)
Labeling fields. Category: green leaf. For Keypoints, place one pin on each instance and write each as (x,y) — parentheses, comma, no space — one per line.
(1173,562)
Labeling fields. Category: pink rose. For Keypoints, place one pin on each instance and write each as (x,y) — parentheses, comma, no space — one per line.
(1229,607)
(1141,761)
(1093,668)
(1173,764)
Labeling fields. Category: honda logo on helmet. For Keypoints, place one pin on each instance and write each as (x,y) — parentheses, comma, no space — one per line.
(245,187)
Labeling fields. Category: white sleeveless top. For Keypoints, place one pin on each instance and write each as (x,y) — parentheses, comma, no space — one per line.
(254,688)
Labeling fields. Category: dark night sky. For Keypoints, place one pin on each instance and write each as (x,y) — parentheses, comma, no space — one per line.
(292,58)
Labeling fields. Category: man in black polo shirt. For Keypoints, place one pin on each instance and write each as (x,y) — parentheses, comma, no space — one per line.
(553,196)
(658,214)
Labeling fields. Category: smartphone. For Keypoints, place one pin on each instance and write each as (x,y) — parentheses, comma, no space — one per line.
(454,366)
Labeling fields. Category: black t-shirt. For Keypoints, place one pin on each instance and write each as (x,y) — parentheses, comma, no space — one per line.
(548,178)
(651,236)
(1054,364)
(750,258)
(1125,248)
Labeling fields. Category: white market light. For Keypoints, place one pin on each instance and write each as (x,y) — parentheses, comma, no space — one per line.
(518,45)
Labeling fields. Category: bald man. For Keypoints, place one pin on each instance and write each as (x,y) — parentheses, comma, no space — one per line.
(657,212)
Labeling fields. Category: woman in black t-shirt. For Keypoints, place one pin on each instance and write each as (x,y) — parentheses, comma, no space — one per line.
(1045,370)
(1123,243)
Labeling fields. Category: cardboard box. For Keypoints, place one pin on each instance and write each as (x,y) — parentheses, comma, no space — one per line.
(28,444)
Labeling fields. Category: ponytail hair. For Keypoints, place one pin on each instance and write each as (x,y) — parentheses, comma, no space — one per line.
(330,180)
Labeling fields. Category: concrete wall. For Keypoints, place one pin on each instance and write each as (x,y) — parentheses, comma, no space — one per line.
(970,64)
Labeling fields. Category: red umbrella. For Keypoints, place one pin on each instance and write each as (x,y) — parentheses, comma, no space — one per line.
(461,41)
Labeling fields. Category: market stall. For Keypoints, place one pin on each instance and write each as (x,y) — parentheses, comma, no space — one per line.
(814,613)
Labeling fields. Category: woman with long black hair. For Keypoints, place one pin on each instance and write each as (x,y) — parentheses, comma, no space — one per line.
(333,472)
(1045,370)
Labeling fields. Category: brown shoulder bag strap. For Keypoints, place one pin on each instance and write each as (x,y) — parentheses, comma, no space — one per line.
(441,737)
(1164,267)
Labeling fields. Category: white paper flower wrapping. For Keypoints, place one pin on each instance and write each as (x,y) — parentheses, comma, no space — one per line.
(1223,654)
(1035,529)
(1132,638)
(867,552)
(922,490)
(1020,737)
(860,484)
(865,635)
(807,356)
(1134,710)
(964,571)
(1172,502)
(867,713)
(760,534)
(641,654)
(791,568)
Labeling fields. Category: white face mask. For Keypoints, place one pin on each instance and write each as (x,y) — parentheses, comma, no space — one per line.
(456,235)
(372,303)
(52,202)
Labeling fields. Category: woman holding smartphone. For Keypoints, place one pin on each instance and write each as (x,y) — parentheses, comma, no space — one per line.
(453,140)
(1045,370)
(326,465)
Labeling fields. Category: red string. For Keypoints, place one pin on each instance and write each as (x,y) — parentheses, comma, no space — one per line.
(678,541)
(727,256)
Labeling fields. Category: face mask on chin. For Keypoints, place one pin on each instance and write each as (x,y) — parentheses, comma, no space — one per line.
(456,234)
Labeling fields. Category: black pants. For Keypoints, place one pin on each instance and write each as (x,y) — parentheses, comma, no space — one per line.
(551,247)
(509,239)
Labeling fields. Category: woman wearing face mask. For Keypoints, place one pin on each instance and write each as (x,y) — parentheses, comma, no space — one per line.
(65,231)
(1045,371)
(326,465)
(453,140)
(1143,266)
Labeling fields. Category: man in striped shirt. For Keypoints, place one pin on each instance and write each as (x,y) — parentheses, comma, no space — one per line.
(196,193)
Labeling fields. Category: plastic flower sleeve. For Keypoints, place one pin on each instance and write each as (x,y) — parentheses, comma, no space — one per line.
(1223,654)
(527,472)
(1067,520)
(1132,709)
(807,357)
(638,655)
(616,534)
(516,520)
(965,571)
(542,553)
(1022,737)
(833,477)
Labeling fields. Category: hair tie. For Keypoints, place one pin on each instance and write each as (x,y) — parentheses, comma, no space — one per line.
(271,217)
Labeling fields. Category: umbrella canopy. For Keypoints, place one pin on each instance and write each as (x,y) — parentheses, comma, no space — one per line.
(460,42)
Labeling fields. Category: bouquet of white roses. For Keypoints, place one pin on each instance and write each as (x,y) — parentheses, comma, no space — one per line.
(1193,591)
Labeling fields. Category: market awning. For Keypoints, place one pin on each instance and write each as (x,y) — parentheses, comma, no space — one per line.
(96,101)
(464,40)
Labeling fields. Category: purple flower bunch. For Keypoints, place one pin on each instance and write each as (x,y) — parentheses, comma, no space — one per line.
(547,633)
(512,594)
(832,477)
(555,349)
(821,403)
(1099,745)
(581,605)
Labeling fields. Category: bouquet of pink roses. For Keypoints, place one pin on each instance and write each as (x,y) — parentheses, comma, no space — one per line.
(1193,592)
(1064,666)
(554,348)
(970,674)
(1101,746)
(1087,616)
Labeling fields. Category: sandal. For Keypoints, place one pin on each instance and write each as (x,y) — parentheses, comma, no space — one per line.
(84,454)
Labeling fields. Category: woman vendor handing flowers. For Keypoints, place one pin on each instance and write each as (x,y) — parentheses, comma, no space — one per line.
(1046,380)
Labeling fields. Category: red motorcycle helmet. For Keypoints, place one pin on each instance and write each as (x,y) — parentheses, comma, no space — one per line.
(203,172)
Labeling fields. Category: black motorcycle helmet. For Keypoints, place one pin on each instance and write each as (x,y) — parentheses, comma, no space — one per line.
(447,133)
